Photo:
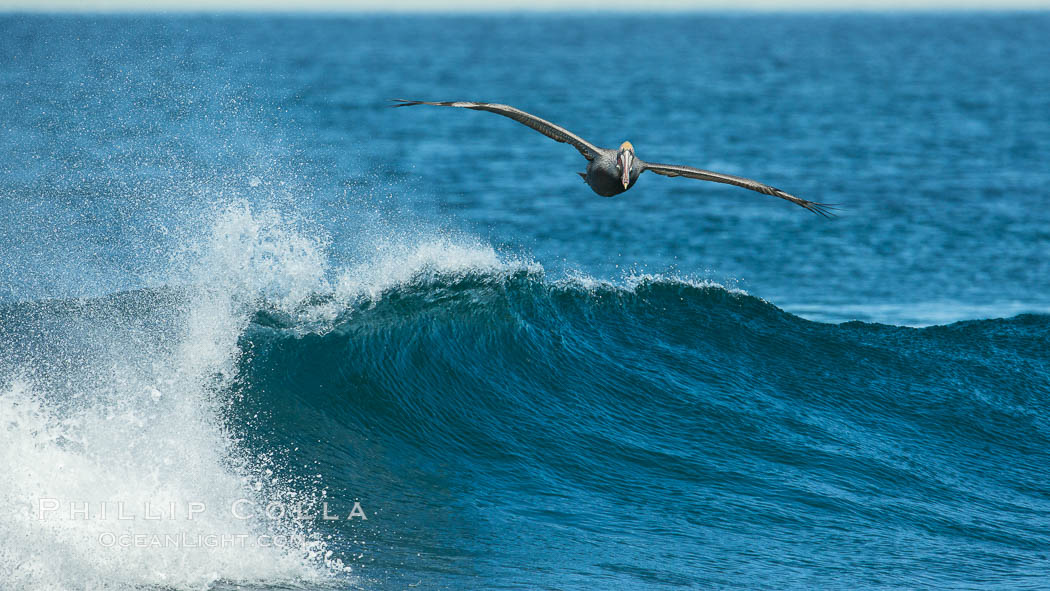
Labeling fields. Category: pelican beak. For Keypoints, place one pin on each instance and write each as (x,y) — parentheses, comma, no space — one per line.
(626,160)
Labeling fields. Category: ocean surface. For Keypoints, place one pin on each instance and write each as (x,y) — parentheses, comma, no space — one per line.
(258,330)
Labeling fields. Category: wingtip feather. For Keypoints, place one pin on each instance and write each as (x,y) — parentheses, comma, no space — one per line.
(404,102)
(826,210)
(822,209)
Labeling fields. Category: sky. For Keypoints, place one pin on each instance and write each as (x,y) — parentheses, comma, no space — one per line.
(503,5)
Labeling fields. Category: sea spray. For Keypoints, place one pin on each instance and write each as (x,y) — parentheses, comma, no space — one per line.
(121,472)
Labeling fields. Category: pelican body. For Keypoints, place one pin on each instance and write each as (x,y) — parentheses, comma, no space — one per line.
(611,172)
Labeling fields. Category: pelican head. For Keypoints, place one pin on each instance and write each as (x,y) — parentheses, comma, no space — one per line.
(625,160)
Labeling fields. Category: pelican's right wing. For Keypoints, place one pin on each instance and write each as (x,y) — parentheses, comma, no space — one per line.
(555,132)
(707,175)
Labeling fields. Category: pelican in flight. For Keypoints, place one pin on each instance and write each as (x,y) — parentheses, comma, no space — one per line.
(611,172)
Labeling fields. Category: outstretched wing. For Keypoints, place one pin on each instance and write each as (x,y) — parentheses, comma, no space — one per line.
(707,175)
(555,132)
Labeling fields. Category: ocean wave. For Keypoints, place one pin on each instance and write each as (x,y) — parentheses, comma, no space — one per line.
(269,373)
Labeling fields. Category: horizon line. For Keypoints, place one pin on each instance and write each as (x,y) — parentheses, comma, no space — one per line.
(881,8)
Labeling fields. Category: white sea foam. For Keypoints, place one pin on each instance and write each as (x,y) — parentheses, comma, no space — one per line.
(79,453)
(399,262)
(632,281)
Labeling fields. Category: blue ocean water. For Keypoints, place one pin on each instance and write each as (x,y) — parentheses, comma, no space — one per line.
(234,282)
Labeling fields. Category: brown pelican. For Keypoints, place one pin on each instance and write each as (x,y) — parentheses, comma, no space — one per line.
(611,172)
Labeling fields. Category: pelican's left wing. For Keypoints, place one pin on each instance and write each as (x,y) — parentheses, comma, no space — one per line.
(555,132)
(707,175)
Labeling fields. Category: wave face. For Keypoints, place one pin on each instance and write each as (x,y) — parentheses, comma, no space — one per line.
(514,429)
